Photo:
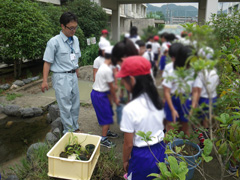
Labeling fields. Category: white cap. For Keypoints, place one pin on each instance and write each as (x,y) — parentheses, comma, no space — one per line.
(206,52)
(103,44)
(108,50)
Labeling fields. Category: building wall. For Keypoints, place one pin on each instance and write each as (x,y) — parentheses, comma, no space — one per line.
(232,7)
(58,2)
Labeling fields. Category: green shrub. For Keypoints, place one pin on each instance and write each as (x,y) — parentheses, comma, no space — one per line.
(89,54)
(91,17)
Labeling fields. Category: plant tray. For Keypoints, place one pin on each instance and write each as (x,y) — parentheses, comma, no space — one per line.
(73,169)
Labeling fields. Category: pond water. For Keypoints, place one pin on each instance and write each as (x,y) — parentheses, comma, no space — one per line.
(18,134)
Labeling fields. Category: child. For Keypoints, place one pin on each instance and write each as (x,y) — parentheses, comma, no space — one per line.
(103,85)
(142,47)
(204,89)
(150,57)
(143,113)
(163,60)
(156,48)
(103,44)
(174,109)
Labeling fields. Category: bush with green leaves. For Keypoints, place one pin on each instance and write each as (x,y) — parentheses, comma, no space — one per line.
(89,54)
(226,26)
(91,17)
(151,31)
(24,31)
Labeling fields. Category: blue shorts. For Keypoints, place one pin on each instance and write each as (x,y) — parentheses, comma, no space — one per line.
(205,110)
(155,56)
(142,162)
(102,107)
(182,109)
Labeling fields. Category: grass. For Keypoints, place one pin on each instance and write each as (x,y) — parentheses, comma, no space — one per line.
(107,167)
(12,96)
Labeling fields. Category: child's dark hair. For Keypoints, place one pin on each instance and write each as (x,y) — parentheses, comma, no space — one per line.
(174,48)
(182,56)
(133,31)
(140,43)
(108,56)
(149,46)
(163,35)
(100,53)
(150,37)
(170,37)
(145,84)
(67,17)
(122,49)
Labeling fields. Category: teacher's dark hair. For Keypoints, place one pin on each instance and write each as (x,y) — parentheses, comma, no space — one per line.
(67,17)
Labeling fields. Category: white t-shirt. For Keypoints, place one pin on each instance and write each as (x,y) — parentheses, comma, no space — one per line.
(98,62)
(207,80)
(104,76)
(155,47)
(164,47)
(149,56)
(141,115)
(168,69)
(179,85)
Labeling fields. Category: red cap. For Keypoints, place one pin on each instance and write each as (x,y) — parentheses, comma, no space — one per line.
(104,31)
(156,38)
(134,66)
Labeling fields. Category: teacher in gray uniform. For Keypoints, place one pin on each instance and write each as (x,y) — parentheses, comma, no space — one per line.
(61,57)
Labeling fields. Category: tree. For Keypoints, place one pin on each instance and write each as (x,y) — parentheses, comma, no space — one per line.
(24,32)
(156,15)
(91,17)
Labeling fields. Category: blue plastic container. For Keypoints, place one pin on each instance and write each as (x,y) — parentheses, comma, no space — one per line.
(191,160)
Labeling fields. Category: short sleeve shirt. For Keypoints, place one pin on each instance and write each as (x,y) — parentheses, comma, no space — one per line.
(207,80)
(141,115)
(58,51)
(104,76)
(98,62)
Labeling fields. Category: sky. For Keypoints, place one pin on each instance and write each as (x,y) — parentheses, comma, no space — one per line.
(225,5)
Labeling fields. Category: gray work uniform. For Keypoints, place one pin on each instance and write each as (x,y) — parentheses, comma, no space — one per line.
(64,79)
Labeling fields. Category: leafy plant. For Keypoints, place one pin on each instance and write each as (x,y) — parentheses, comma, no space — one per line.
(88,55)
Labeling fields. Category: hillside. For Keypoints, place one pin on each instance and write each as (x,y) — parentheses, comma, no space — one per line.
(174,10)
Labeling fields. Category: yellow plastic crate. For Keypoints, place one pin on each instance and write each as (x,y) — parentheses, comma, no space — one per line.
(73,169)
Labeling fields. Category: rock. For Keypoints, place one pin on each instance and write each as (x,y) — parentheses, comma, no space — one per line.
(12,110)
(14,86)
(1,108)
(57,133)
(35,78)
(51,138)
(37,111)
(57,124)
(54,112)
(27,81)
(19,83)
(27,112)
(33,148)
(5,86)
(48,119)
(12,177)
(85,73)
(9,124)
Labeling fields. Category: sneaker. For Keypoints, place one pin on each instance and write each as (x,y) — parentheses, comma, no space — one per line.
(110,134)
(107,143)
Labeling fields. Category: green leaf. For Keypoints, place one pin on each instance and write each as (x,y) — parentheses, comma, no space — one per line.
(223,148)
(208,145)
(173,164)
(207,158)
(153,175)
(168,151)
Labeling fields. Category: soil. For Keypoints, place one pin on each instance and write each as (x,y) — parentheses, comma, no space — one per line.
(187,150)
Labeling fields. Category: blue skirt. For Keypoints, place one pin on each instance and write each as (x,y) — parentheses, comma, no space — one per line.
(102,107)
(182,109)
(205,110)
(143,163)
